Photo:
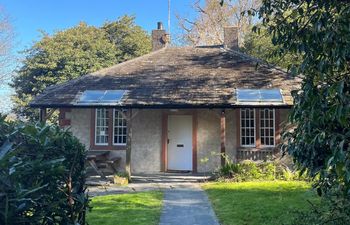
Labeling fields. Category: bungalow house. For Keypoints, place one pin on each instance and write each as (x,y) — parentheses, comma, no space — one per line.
(177,108)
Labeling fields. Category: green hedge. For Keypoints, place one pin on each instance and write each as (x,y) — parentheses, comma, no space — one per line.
(42,175)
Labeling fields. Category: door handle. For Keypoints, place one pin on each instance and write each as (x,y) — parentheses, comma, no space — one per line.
(180,145)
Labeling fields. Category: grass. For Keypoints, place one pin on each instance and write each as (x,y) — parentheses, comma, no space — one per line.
(125,209)
(259,203)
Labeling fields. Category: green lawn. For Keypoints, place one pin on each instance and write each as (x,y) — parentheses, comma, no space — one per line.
(258,203)
(124,209)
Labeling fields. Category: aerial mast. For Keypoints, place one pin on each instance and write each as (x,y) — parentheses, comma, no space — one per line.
(169,17)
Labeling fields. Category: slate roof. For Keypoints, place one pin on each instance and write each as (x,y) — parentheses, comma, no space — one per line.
(176,77)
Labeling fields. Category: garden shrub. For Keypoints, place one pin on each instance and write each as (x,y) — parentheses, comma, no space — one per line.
(334,209)
(248,170)
(5,129)
(267,170)
(42,175)
(229,169)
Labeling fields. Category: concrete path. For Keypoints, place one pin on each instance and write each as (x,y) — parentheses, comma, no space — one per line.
(148,182)
(188,205)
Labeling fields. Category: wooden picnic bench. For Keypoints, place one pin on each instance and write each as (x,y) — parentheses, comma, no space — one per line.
(101,159)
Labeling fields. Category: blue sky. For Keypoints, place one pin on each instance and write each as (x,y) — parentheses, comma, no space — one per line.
(30,16)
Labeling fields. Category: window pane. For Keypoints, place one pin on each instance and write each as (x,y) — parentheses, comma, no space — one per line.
(267,129)
(252,140)
(101,127)
(271,95)
(112,96)
(119,128)
(247,121)
(91,96)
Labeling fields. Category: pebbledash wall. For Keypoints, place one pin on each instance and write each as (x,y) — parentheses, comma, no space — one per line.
(147,137)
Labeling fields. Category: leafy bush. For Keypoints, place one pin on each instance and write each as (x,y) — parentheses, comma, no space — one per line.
(42,175)
(5,129)
(249,170)
(333,210)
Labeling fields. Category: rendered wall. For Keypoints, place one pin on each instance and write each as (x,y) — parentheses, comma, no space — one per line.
(147,137)
(208,140)
(146,144)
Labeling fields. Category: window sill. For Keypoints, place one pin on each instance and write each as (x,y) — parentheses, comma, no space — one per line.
(108,147)
(123,145)
(255,149)
(101,144)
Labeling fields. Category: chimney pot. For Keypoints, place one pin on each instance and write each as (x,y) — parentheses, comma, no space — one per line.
(231,37)
(160,26)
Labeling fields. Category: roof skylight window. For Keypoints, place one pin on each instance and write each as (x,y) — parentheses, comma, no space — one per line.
(259,95)
(98,97)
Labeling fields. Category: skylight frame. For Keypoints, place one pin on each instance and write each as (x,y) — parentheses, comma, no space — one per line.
(102,97)
(273,95)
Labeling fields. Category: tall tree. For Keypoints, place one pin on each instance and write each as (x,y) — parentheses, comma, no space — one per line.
(318,30)
(259,44)
(74,52)
(130,39)
(207,27)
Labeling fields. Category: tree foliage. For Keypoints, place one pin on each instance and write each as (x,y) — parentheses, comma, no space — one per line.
(7,58)
(42,175)
(7,35)
(130,39)
(259,45)
(319,31)
(74,52)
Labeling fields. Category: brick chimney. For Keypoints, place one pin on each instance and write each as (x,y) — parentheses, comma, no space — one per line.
(159,37)
(231,37)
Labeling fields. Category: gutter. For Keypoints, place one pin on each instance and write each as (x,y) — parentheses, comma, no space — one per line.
(163,106)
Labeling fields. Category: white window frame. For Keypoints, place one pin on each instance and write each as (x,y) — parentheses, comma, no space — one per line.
(274,128)
(107,125)
(126,126)
(254,128)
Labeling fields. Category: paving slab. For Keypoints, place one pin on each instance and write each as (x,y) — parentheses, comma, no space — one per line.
(187,205)
(147,182)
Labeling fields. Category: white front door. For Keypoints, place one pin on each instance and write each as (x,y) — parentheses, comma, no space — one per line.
(180,142)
